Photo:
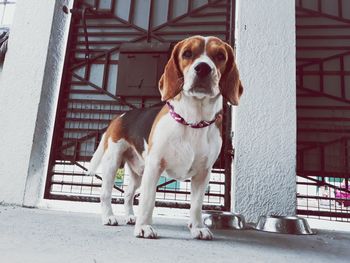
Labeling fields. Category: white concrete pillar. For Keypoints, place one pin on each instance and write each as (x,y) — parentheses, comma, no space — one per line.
(29,86)
(265,123)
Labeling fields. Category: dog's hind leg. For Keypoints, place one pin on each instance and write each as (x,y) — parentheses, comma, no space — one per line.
(96,158)
(111,161)
(134,183)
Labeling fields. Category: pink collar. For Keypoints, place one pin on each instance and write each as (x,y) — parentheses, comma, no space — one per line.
(179,119)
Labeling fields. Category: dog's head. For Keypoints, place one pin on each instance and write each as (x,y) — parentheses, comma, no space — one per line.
(201,67)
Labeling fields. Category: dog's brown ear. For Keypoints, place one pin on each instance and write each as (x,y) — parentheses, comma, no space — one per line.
(170,84)
(230,85)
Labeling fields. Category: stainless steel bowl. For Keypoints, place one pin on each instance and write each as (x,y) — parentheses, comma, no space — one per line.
(284,225)
(223,220)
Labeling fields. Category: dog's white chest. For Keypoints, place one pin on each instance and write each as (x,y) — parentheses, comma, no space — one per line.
(187,151)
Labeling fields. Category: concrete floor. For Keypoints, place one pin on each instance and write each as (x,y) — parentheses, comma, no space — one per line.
(34,235)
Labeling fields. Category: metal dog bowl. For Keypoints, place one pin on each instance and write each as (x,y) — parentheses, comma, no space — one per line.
(223,220)
(284,225)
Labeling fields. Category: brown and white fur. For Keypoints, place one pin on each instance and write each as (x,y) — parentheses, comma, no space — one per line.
(199,74)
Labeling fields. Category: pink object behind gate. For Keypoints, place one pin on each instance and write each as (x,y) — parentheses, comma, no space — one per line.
(343,195)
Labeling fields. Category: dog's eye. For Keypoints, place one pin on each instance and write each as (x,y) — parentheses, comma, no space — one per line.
(187,54)
(220,56)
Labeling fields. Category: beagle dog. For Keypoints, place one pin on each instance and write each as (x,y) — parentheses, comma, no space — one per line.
(181,138)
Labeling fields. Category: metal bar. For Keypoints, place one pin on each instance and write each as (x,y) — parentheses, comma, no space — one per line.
(301,27)
(327,72)
(328,58)
(86,42)
(70,158)
(107,34)
(120,200)
(340,8)
(304,183)
(299,3)
(319,6)
(300,76)
(315,145)
(131,11)
(91,101)
(342,78)
(113,112)
(315,37)
(230,23)
(342,130)
(346,161)
(76,184)
(312,12)
(165,184)
(114,186)
(169,13)
(189,6)
(201,24)
(104,42)
(102,26)
(321,119)
(101,62)
(314,48)
(113,6)
(306,16)
(322,213)
(105,73)
(308,174)
(174,33)
(323,94)
(316,197)
(218,5)
(150,17)
(227,124)
(322,160)
(318,143)
(93,134)
(186,192)
(323,107)
(208,14)
(87,120)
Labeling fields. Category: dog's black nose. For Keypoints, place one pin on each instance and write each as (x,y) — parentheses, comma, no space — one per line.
(202,69)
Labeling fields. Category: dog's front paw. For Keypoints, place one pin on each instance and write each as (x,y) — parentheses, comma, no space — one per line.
(110,220)
(201,233)
(145,231)
(130,219)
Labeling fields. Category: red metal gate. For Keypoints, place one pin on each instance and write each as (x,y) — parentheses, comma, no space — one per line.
(93,91)
(323,108)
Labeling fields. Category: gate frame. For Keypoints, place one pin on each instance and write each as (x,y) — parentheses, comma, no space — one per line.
(62,103)
(303,147)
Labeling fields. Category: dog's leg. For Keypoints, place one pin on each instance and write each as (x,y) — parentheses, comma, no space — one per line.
(134,183)
(196,226)
(150,178)
(111,161)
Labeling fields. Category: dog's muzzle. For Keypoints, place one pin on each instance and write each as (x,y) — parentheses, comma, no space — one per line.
(202,70)
(202,82)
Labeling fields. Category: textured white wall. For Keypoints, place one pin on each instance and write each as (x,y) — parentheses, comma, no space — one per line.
(29,86)
(265,121)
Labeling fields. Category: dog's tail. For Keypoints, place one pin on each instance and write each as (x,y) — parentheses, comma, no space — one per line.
(96,158)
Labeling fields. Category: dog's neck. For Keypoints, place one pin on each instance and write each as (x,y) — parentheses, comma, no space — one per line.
(194,110)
